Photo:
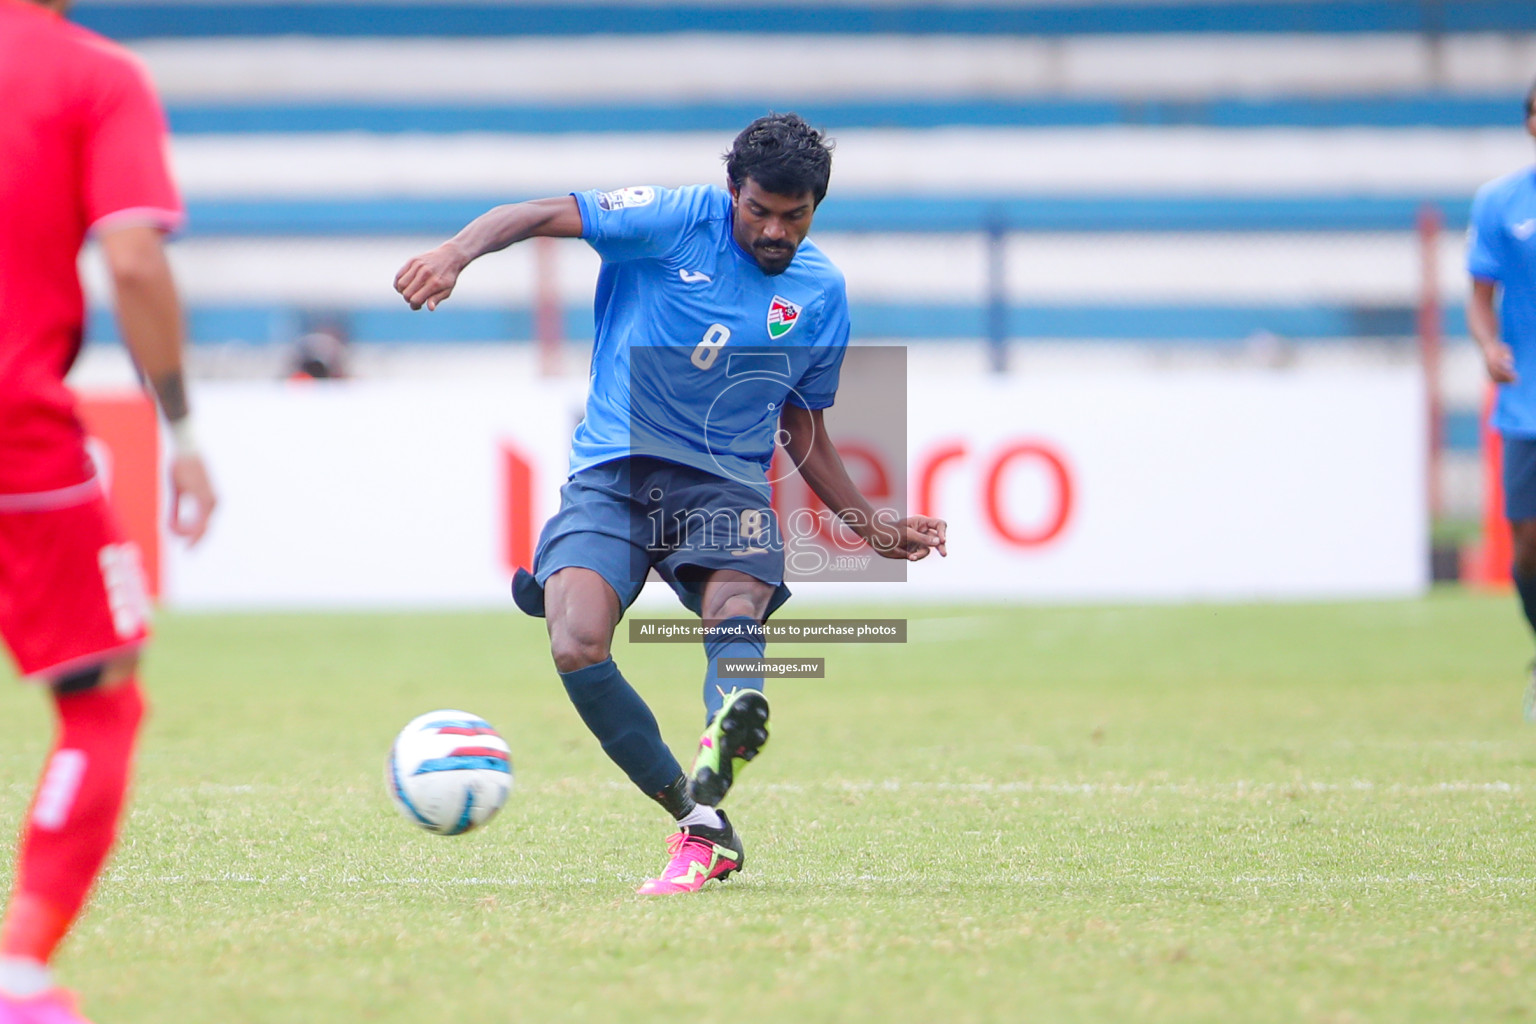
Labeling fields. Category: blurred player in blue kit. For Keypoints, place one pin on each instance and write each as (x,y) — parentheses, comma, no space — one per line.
(720,329)
(1501,256)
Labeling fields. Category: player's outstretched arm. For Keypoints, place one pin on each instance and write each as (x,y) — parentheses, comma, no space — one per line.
(428,279)
(149,316)
(813,453)
(1483,324)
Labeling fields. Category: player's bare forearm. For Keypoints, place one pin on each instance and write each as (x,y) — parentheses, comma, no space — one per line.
(429,278)
(558,217)
(1483,325)
(816,458)
(148,312)
(149,316)
(1482,321)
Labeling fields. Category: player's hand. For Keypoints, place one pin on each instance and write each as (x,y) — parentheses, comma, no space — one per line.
(192,498)
(911,538)
(1500,361)
(428,279)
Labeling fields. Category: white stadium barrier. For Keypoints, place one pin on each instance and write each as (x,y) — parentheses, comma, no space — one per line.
(1067,486)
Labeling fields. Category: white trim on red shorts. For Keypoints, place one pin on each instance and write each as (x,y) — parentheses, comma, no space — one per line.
(62,497)
(64,668)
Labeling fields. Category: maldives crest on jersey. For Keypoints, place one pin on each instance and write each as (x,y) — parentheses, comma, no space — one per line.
(782,316)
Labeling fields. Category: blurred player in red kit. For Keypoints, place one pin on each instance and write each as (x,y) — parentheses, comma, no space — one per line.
(82,151)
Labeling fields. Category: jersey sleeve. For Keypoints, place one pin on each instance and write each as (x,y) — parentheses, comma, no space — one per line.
(817,387)
(126,164)
(1485,239)
(640,222)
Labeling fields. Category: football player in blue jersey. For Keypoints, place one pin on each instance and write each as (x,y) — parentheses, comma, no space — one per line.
(721,327)
(1501,256)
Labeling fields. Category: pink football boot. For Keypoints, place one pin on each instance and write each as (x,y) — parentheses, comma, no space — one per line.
(698,854)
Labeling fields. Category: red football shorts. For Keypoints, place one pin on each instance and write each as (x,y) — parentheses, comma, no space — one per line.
(72,589)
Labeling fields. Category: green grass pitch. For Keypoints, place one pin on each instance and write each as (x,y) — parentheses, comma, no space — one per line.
(1223,813)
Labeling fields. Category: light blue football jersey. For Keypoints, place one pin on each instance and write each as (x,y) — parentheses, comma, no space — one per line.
(697,349)
(1501,246)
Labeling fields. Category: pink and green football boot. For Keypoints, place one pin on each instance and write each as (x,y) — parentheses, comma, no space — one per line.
(736,735)
(698,854)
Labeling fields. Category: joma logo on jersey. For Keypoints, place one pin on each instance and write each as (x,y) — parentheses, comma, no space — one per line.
(782,315)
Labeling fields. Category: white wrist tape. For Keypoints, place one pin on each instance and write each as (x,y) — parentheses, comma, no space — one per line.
(183,438)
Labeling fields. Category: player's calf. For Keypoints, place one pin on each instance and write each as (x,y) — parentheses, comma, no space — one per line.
(739,636)
(74,815)
(69,831)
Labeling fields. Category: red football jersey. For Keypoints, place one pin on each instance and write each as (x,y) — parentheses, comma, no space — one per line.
(83,146)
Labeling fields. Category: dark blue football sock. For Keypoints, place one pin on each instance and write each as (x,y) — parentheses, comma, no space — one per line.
(737,637)
(623,724)
(1526,586)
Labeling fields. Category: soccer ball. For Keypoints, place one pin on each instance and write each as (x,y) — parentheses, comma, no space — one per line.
(448,772)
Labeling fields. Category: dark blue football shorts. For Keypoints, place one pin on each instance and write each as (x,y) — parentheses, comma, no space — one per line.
(1519,478)
(625,517)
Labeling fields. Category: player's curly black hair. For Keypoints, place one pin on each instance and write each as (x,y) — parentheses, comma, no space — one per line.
(1530,100)
(782,154)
